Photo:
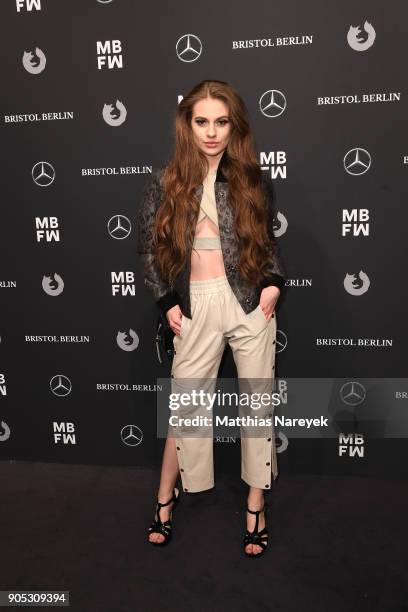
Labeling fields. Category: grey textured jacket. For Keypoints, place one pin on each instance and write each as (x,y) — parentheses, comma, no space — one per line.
(167,296)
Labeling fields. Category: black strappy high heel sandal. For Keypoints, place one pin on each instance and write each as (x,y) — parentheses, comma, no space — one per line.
(259,538)
(165,528)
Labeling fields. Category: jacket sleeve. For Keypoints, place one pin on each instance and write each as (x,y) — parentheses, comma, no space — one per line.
(162,292)
(275,273)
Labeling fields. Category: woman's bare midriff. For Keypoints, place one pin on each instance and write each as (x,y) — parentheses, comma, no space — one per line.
(206,263)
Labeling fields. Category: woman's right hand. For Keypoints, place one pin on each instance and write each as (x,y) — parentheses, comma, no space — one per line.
(174,316)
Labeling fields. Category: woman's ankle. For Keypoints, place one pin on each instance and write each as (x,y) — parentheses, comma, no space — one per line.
(255,498)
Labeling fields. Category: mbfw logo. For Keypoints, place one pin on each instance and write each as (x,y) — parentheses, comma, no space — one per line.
(119,227)
(188,48)
(274,163)
(43,174)
(357,283)
(3,387)
(281,387)
(53,284)
(34,63)
(127,341)
(28,5)
(47,229)
(351,445)
(355,222)
(359,41)
(123,283)
(64,433)
(109,54)
(114,114)
(4,431)
(272,103)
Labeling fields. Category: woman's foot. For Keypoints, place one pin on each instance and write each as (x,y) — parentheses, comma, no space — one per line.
(165,515)
(255,502)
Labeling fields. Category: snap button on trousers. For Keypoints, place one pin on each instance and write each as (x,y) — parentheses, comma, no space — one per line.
(218,319)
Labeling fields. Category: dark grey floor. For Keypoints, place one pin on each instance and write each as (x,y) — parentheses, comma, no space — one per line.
(336,543)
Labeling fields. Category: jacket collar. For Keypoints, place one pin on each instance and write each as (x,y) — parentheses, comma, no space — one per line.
(220,177)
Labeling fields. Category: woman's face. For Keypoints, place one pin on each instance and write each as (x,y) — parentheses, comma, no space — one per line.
(211,126)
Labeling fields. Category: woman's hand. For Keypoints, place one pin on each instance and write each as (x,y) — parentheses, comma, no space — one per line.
(267,301)
(174,316)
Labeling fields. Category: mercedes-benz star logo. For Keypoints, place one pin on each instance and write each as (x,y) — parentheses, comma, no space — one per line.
(119,227)
(188,48)
(131,435)
(281,341)
(272,103)
(43,174)
(357,161)
(352,393)
(60,385)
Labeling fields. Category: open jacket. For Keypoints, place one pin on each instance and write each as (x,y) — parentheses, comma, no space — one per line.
(167,296)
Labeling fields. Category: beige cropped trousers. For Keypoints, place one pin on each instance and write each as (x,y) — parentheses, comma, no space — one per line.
(218,319)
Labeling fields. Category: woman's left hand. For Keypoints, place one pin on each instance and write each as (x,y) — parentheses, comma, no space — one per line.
(267,301)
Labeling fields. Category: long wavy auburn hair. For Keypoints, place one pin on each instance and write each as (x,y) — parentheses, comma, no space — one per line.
(178,211)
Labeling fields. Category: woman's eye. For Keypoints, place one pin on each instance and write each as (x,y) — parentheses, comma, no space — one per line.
(221,121)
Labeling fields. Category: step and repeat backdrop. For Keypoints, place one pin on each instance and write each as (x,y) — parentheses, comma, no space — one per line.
(89,92)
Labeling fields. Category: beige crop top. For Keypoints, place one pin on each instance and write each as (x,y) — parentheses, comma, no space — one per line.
(208,208)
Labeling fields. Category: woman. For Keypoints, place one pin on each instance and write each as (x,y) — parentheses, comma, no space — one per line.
(212,264)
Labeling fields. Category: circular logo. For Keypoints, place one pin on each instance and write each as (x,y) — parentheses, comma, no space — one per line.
(272,103)
(114,114)
(280,225)
(127,341)
(188,48)
(119,227)
(60,385)
(131,435)
(281,341)
(43,174)
(352,393)
(34,64)
(356,284)
(359,41)
(53,284)
(357,161)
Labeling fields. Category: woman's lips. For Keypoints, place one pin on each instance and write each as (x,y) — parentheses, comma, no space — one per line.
(211,144)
